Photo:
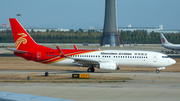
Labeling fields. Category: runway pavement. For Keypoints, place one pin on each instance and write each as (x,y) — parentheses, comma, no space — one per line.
(145,86)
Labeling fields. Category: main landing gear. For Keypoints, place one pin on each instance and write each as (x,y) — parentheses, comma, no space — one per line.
(157,71)
(91,69)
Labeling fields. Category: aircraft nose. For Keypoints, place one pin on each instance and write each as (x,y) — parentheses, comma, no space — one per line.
(172,61)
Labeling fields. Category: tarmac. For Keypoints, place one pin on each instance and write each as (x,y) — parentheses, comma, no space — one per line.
(145,86)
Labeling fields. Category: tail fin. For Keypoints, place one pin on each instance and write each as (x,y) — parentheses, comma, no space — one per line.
(22,39)
(163,39)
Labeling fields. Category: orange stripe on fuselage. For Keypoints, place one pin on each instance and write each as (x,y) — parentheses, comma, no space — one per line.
(50,59)
(56,59)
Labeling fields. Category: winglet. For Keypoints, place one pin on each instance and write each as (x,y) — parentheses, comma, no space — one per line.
(60,52)
(75,47)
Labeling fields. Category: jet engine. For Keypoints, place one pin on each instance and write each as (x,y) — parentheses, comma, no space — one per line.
(108,66)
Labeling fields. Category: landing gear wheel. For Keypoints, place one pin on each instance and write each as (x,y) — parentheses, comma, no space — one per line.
(157,71)
(91,69)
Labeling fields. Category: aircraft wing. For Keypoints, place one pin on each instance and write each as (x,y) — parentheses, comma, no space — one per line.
(8,96)
(15,50)
(87,61)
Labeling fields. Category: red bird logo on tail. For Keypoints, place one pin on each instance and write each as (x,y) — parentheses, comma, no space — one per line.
(163,40)
(21,40)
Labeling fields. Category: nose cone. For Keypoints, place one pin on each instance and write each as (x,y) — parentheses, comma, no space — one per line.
(172,61)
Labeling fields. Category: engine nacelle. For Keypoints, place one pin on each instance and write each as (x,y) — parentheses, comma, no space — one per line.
(108,66)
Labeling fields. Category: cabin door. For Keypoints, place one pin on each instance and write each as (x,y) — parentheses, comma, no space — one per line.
(155,58)
(38,55)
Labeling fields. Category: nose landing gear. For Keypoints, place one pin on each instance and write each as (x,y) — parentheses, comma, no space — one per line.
(157,71)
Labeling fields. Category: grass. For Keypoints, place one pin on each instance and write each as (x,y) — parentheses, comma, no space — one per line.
(57,77)
(61,79)
(38,81)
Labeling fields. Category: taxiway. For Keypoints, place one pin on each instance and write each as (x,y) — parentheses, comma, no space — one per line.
(147,86)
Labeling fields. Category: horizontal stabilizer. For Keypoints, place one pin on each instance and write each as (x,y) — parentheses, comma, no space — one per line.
(15,50)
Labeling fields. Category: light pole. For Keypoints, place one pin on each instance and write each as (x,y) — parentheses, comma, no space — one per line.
(18,16)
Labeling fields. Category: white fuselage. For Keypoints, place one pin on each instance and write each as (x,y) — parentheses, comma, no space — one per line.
(122,58)
(172,46)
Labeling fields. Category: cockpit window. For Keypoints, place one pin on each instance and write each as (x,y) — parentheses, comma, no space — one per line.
(165,57)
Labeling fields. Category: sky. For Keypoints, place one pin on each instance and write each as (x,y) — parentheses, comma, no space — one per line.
(75,14)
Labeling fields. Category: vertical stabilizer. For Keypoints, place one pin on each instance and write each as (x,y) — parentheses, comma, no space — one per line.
(164,40)
(22,39)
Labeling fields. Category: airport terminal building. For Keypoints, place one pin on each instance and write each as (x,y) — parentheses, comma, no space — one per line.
(149,29)
(129,28)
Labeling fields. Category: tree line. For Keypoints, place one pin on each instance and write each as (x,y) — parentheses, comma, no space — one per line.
(91,36)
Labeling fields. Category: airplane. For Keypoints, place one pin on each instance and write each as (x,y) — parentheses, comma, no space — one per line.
(28,49)
(167,44)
